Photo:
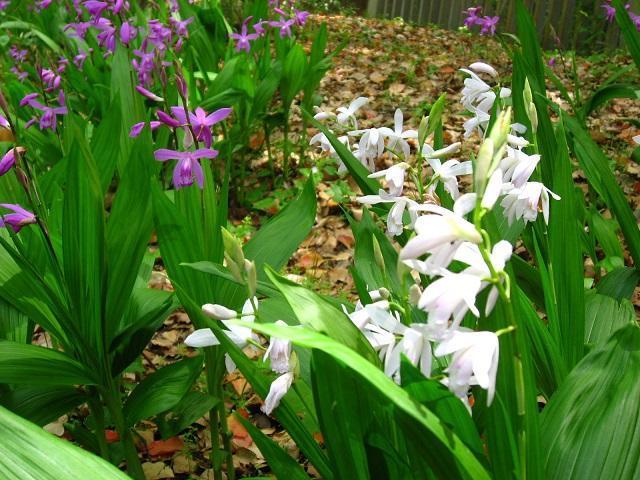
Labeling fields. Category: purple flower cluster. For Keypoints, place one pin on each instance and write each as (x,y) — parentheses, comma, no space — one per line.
(283,23)
(49,117)
(610,14)
(18,56)
(486,23)
(198,127)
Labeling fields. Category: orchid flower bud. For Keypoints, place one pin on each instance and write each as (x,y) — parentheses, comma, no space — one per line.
(219,312)
(252,276)
(414,294)
(233,248)
(423,130)
(529,106)
(234,269)
(377,254)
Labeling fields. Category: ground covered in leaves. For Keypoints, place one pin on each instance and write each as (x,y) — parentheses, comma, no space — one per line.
(396,65)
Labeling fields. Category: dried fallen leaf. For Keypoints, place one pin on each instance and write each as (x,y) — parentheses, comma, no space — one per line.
(156,471)
(165,448)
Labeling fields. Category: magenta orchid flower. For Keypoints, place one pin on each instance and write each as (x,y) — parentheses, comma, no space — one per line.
(188,168)
(473,17)
(200,121)
(138,127)
(489,25)
(300,17)
(49,115)
(284,25)
(18,219)
(9,159)
(127,33)
(243,38)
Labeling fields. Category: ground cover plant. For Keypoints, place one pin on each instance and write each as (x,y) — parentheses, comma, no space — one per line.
(492,249)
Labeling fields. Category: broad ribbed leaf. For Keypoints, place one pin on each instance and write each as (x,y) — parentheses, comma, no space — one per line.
(591,426)
(437,442)
(628,30)
(30,364)
(83,240)
(567,263)
(619,283)
(605,315)
(607,93)
(27,452)
(596,168)
(162,390)
(42,404)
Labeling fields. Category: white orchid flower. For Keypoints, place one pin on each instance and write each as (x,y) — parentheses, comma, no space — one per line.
(204,337)
(278,389)
(474,362)
(527,201)
(398,136)
(446,172)
(395,218)
(449,297)
(474,88)
(440,228)
(279,352)
(370,146)
(636,139)
(469,253)
(481,67)
(348,114)
(416,346)
(518,166)
(394,177)
(218,312)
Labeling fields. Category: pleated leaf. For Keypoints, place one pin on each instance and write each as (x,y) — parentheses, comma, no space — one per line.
(591,426)
(27,452)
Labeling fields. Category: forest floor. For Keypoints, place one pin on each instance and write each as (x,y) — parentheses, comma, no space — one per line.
(396,65)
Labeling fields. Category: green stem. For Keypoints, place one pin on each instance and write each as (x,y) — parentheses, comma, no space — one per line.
(285,160)
(95,405)
(112,399)
(504,290)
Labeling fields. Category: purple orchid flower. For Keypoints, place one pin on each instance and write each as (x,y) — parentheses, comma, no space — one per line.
(148,94)
(4,123)
(259,27)
(50,79)
(4,4)
(473,17)
(137,128)
(107,36)
(17,54)
(95,8)
(489,25)
(79,59)
(18,219)
(284,25)
(201,122)
(127,33)
(19,73)
(188,167)
(243,38)
(300,17)
(78,30)
(9,159)
(50,114)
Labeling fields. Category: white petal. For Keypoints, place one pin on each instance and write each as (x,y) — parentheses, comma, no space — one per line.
(481,67)
(203,337)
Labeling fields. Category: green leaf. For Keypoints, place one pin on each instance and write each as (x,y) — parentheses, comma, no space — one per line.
(591,426)
(162,390)
(279,238)
(437,398)
(42,404)
(30,364)
(193,406)
(317,313)
(596,168)
(30,27)
(628,30)
(83,240)
(357,170)
(607,93)
(28,452)
(128,231)
(14,325)
(567,264)
(619,283)
(105,150)
(605,315)
(280,462)
(293,74)
(437,442)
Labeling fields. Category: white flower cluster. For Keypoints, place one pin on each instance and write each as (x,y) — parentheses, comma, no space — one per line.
(442,236)
(278,352)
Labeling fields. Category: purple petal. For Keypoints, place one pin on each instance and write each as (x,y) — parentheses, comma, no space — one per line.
(179,113)
(167,119)
(165,154)
(204,153)
(198,173)
(150,95)
(218,116)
